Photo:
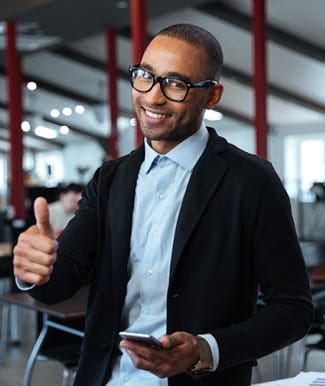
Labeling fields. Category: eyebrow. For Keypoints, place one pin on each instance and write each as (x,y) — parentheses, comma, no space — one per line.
(171,74)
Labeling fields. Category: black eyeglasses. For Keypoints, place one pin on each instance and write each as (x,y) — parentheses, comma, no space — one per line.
(174,89)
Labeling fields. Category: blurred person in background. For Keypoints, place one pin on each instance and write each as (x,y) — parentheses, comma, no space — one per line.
(62,210)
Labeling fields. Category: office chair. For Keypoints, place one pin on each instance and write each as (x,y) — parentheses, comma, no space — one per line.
(62,347)
(317,330)
(7,281)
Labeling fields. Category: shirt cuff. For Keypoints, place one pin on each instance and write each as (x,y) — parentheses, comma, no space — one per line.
(23,286)
(214,349)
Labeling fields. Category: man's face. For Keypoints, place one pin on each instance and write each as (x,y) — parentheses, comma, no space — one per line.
(166,123)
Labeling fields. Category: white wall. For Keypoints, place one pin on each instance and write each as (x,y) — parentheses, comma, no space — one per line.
(88,154)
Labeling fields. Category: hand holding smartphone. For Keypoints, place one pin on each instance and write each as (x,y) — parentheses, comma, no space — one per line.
(141,338)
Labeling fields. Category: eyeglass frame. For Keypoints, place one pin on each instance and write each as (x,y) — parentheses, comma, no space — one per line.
(159,79)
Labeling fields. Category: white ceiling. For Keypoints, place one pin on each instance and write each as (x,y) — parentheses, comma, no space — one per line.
(70,69)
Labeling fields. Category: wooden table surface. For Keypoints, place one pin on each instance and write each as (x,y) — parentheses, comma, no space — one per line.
(75,307)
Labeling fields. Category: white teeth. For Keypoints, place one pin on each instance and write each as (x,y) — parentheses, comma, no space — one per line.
(156,115)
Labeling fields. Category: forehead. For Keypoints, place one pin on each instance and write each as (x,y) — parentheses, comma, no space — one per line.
(166,54)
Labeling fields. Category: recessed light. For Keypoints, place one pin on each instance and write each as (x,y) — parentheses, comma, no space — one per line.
(67,111)
(79,109)
(25,126)
(64,129)
(55,113)
(32,86)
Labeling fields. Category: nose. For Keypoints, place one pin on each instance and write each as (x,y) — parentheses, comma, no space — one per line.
(155,95)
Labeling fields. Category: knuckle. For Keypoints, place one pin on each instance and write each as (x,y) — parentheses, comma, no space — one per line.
(18,262)
(52,247)
(18,250)
(48,260)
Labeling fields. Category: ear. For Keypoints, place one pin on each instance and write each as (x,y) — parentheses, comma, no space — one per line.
(214,96)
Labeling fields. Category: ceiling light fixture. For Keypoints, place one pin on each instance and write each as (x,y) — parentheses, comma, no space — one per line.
(32,86)
(55,113)
(25,126)
(79,109)
(45,132)
(67,111)
(133,122)
(64,129)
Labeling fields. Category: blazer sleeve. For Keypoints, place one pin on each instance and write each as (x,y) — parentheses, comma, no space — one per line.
(77,250)
(283,281)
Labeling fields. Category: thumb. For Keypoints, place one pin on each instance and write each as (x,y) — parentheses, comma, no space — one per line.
(41,212)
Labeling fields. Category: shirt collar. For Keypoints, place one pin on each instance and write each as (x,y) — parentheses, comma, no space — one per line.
(186,154)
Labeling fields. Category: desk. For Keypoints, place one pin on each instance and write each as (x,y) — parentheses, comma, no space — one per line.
(70,309)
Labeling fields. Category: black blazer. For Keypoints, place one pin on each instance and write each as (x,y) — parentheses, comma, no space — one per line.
(235,236)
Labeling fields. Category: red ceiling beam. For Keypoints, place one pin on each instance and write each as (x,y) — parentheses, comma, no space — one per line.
(111,62)
(139,40)
(15,114)
(260,81)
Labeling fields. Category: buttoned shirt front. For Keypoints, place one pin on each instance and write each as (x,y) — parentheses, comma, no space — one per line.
(161,185)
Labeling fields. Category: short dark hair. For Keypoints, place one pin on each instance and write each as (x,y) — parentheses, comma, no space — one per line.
(201,38)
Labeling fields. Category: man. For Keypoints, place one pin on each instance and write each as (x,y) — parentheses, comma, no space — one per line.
(181,236)
(62,210)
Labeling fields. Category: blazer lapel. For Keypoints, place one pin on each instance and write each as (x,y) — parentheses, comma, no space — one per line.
(120,208)
(204,181)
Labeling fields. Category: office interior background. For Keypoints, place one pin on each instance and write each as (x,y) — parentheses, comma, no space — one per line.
(66,109)
(66,118)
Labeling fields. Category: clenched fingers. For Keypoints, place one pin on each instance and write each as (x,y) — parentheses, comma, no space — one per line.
(34,256)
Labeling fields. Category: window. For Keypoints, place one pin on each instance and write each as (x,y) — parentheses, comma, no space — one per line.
(3,173)
(304,163)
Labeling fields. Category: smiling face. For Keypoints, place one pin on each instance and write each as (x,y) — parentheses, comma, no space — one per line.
(166,123)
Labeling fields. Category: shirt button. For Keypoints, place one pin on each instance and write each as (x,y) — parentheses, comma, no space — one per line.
(155,233)
(149,272)
(162,196)
(126,377)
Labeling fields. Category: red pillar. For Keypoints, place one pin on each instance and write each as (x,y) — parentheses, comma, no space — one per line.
(14,80)
(139,39)
(260,82)
(112,90)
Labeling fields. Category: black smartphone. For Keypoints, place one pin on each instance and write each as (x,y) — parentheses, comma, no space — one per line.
(141,338)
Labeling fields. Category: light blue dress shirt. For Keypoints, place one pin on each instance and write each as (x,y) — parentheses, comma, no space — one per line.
(160,188)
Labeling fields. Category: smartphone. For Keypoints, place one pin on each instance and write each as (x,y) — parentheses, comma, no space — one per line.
(141,338)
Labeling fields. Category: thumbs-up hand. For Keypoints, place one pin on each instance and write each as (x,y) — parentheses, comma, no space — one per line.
(41,212)
(35,251)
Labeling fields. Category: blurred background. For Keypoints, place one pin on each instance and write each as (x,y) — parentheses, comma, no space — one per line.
(69,60)
(64,53)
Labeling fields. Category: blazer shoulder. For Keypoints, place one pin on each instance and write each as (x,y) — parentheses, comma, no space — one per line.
(240,162)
